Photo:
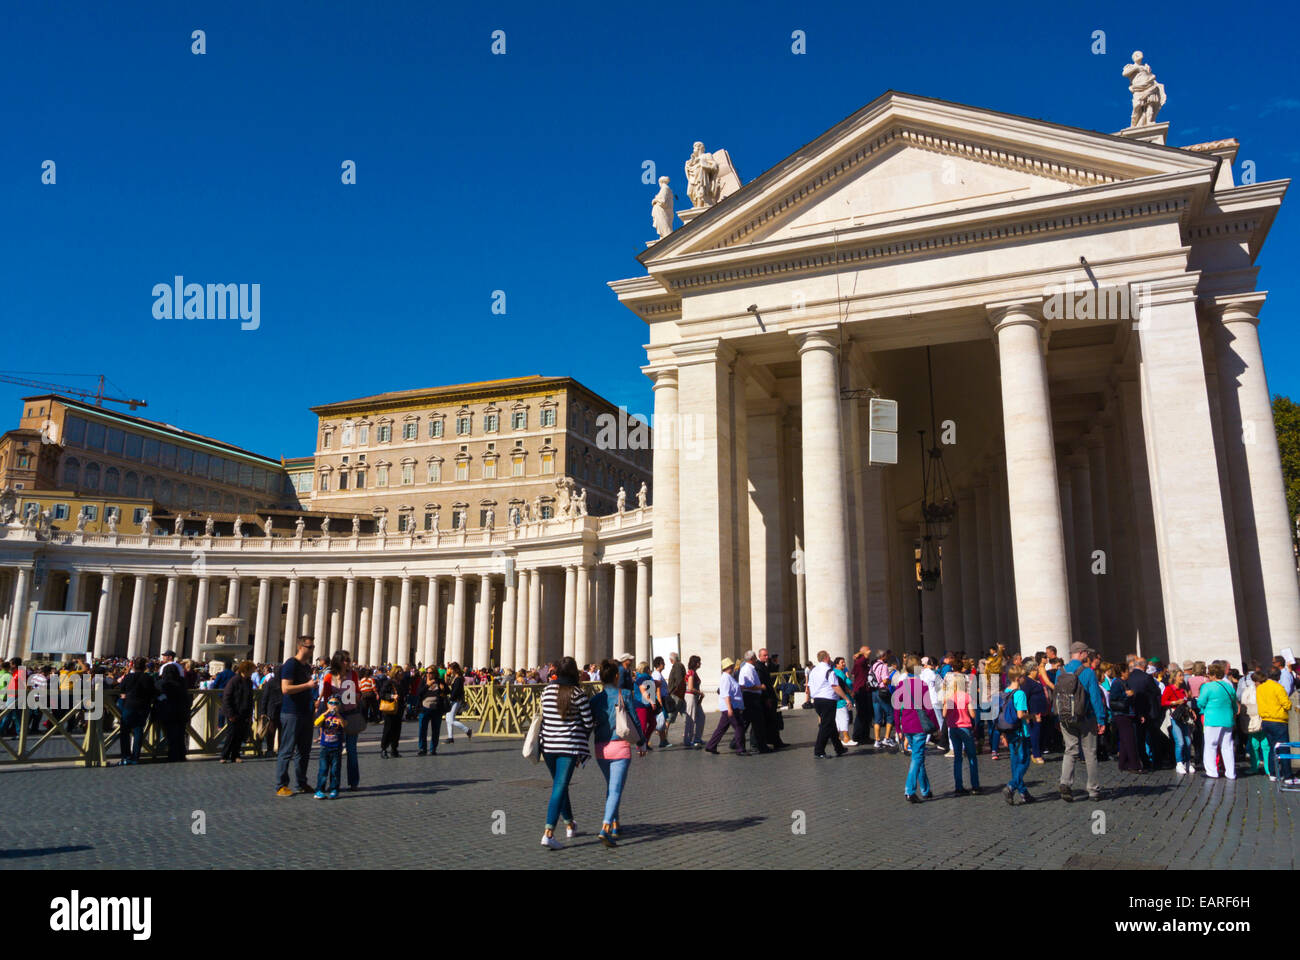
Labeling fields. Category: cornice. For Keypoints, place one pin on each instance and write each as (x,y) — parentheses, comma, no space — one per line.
(991,231)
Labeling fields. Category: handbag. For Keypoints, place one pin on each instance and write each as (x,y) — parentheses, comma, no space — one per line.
(428,703)
(354,723)
(387,706)
(624,728)
(533,739)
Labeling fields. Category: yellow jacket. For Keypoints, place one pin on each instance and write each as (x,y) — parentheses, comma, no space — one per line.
(1273,703)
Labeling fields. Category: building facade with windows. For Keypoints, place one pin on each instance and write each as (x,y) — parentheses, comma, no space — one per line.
(474,454)
(97,451)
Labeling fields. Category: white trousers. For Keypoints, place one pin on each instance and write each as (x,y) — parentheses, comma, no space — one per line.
(1219,740)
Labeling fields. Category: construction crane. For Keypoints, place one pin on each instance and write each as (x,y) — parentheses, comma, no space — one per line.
(97,394)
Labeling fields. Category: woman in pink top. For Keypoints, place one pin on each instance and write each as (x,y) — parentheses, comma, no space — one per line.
(959,715)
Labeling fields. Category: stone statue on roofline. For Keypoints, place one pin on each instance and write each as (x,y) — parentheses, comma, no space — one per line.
(661,209)
(1148,95)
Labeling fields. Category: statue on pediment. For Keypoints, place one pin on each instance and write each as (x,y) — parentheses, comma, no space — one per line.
(82,517)
(8,505)
(238,528)
(178,525)
(112,522)
(299,526)
(642,495)
(622,499)
(1148,95)
(209,525)
(701,177)
(661,209)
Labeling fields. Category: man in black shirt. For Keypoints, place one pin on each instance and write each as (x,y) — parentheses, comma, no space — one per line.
(1149,712)
(297,724)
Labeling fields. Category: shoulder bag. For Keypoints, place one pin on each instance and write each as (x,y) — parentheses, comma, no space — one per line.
(533,739)
(624,728)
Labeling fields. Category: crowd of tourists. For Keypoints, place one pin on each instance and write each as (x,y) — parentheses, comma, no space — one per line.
(1198,718)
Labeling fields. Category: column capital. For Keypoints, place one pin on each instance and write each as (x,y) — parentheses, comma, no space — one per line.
(817,338)
(1180,288)
(1236,307)
(1004,313)
(661,375)
(704,351)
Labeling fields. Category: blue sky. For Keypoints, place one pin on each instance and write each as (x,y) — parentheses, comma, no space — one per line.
(477,173)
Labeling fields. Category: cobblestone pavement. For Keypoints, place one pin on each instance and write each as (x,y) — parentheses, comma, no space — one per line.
(680,809)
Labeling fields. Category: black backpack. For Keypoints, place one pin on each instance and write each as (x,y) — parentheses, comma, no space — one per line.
(1070,701)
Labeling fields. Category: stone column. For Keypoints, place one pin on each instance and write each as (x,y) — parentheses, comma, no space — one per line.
(350,615)
(1259,507)
(641,625)
(232,597)
(950,549)
(984,542)
(1148,595)
(801,604)
(394,618)
(292,620)
(420,596)
(1067,530)
(263,619)
(1123,570)
(72,600)
(618,635)
(766,503)
(509,624)
(376,655)
(1037,537)
(457,653)
(18,619)
(824,521)
(707,519)
(135,636)
(911,600)
(570,595)
(1003,576)
(399,646)
(1195,571)
(431,626)
(535,619)
(482,622)
(304,626)
(581,621)
(1084,545)
(1095,448)
(322,623)
(667,503)
(274,636)
(103,627)
(971,580)
(521,618)
(202,594)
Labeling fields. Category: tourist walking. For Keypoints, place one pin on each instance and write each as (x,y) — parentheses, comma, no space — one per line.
(173,705)
(613,755)
(343,681)
(1274,707)
(825,693)
(1081,716)
(1013,721)
(296,719)
(959,715)
(269,699)
(1182,717)
(138,695)
(771,712)
(730,702)
(646,699)
(844,707)
(566,728)
(1218,705)
(392,698)
(693,728)
(751,693)
(456,702)
(915,719)
(237,701)
(432,696)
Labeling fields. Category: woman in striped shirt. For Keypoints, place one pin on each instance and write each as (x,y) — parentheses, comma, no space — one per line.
(566,728)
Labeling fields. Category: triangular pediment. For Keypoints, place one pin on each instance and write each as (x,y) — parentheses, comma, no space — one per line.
(904,158)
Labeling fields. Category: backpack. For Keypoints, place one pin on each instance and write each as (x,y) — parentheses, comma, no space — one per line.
(1070,701)
(1008,719)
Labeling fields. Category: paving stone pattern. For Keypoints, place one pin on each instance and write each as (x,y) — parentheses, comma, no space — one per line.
(680,809)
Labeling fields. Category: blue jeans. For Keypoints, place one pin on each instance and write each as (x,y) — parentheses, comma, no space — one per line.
(916,772)
(1182,741)
(994,734)
(615,772)
(327,776)
(132,733)
(429,719)
(295,736)
(881,711)
(1019,744)
(963,741)
(561,766)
